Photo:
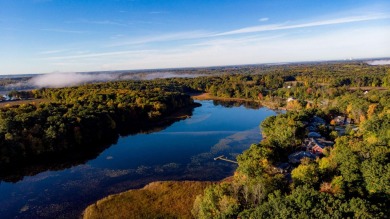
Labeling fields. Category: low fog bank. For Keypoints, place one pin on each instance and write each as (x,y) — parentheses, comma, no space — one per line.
(379,62)
(58,80)
(55,80)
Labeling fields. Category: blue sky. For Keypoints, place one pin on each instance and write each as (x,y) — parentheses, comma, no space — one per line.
(43,36)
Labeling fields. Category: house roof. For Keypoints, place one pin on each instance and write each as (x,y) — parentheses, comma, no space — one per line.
(322,142)
(297,156)
(314,135)
(283,166)
(318,120)
(311,128)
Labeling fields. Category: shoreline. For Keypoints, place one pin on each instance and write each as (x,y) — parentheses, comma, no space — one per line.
(207,96)
(171,191)
(120,202)
(175,198)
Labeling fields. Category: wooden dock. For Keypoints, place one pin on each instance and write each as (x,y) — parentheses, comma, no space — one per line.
(225,159)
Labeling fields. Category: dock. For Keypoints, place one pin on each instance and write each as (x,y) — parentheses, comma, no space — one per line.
(225,159)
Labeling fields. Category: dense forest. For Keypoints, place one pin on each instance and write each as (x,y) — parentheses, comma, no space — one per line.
(350,180)
(84,116)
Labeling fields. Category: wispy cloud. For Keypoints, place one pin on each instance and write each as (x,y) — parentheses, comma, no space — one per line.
(263,19)
(47,52)
(158,12)
(41,1)
(164,37)
(285,26)
(64,31)
(368,42)
(117,36)
(98,22)
(97,54)
(254,29)
(206,48)
(237,40)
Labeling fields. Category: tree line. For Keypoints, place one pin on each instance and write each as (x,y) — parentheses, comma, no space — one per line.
(83,116)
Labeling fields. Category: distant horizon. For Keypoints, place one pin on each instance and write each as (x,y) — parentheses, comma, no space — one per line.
(206,67)
(44,36)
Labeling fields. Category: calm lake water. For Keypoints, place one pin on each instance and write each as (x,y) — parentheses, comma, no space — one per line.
(183,151)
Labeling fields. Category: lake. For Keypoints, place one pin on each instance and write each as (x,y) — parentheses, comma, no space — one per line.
(182,151)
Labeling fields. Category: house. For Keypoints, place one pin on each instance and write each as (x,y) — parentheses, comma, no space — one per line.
(314,135)
(340,130)
(308,144)
(339,120)
(311,128)
(342,120)
(318,149)
(290,99)
(282,168)
(296,157)
(320,144)
(316,145)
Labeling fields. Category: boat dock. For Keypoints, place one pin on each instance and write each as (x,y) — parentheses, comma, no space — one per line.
(225,159)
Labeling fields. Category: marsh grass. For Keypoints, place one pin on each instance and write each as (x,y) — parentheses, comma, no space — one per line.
(170,199)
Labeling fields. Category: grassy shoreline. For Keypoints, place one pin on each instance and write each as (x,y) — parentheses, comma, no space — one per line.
(168,199)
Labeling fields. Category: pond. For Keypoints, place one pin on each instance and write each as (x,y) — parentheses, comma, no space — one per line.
(182,151)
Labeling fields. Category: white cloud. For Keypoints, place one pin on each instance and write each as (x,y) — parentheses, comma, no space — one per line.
(97,54)
(158,12)
(263,19)
(204,48)
(58,30)
(47,52)
(188,35)
(364,42)
(286,26)
(164,37)
(98,22)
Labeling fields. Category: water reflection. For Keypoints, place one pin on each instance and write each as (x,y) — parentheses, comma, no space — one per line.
(230,104)
(80,155)
(182,151)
